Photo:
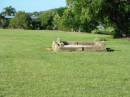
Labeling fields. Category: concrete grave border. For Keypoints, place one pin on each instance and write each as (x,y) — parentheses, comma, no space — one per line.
(70,46)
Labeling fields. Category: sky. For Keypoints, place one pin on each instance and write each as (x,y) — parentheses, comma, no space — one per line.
(32,5)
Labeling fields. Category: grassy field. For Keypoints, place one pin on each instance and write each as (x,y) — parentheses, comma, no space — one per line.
(28,69)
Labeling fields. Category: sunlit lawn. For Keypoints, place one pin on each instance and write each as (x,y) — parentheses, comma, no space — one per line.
(28,69)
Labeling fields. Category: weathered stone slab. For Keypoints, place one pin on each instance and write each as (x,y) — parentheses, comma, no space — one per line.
(78,46)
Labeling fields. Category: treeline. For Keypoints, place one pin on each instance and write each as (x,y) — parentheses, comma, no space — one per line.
(93,16)
(46,20)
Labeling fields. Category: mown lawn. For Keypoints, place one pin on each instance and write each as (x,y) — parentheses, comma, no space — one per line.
(28,69)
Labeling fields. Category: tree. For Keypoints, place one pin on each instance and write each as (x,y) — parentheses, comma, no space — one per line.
(51,19)
(59,11)
(57,23)
(22,20)
(36,24)
(85,12)
(9,11)
(117,12)
(68,21)
(46,20)
(3,22)
(88,12)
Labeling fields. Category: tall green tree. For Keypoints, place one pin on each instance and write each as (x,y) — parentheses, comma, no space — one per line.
(69,21)
(85,11)
(9,11)
(51,19)
(46,19)
(88,11)
(118,12)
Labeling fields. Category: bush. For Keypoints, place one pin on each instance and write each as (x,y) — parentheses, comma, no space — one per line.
(3,22)
(22,20)
(46,20)
(106,31)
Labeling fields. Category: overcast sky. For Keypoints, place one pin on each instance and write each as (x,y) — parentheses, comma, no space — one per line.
(32,5)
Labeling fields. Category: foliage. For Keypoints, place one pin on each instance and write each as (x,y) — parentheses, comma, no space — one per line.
(85,11)
(9,11)
(57,22)
(59,11)
(22,20)
(36,24)
(83,16)
(117,11)
(51,19)
(46,19)
(3,22)
(67,20)
(113,11)
(107,31)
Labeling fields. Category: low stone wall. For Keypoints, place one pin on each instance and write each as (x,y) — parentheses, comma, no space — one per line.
(78,46)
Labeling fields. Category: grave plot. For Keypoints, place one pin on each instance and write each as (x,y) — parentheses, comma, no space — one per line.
(59,45)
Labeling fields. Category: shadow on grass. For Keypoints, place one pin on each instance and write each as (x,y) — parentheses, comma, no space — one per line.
(111,50)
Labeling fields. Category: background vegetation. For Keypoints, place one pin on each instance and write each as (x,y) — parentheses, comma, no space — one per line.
(28,67)
(21,20)
(93,16)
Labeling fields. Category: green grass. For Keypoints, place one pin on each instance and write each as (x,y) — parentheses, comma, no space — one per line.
(28,69)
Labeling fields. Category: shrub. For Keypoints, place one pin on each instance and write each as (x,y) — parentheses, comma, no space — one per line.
(22,20)
(3,22)
(107,31)
(46,20)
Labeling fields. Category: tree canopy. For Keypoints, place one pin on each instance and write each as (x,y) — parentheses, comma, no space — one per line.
(80,16)
(115,11)
(21,20)
(9,11)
